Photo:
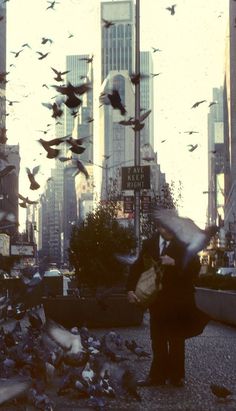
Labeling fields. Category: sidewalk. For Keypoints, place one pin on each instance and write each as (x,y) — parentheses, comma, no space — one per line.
(210,358)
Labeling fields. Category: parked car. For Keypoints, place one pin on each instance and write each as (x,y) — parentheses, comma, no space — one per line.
(226,271)
(53,273)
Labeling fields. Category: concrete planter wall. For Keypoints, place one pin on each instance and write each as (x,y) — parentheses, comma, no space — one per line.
(70,311)
(220,305)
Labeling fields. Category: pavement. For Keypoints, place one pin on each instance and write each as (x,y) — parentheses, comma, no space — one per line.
(210,358)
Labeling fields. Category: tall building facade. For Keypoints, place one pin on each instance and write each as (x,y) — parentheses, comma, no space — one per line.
(59,204)
(216,158)
(117,40)
(230,125)
(118,52)
(3,78)
(9,188)
(146,97)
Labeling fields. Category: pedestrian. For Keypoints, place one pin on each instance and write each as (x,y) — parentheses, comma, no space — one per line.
(173,314)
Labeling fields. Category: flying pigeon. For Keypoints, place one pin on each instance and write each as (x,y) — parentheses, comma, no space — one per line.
(155,49)
(212,103)
(55,107)
(52,4)
(59,74)
(46,40)
(42,55)
(171,9)
(135,78)
(51,152)
(80,168)
(192,147)
(69,342)
(197,103)
(138,124)
(75,146)
(71,92)
(16,52)
(107,23)
(33,184)
(114,100)
(87,59)
(190,132)
(185,231)
(25,201)
(7,170)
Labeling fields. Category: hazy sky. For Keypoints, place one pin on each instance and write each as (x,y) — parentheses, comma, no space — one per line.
(191,64)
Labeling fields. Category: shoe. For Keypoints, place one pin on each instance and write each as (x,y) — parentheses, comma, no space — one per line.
(177,382)
(149,382)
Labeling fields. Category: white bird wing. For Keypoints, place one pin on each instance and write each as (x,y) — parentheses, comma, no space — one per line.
(35,170)
(145,115)
(184,229)
(10,389)
(21,197)
(48,105)
(64,338)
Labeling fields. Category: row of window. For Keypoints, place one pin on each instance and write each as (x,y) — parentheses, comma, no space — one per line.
(118,30)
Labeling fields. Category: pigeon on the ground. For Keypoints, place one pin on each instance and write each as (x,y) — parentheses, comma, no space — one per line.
(12,388)
(220,391)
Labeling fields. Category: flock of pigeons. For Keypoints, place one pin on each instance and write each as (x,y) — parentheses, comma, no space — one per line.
(43,361)
(45,356)
(70,95)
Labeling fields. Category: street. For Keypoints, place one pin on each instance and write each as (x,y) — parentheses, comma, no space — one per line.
(210,358)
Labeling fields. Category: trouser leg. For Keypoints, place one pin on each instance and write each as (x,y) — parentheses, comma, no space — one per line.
(158,370)
(176,368)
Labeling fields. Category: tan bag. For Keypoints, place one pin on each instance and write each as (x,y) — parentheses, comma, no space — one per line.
(148,285)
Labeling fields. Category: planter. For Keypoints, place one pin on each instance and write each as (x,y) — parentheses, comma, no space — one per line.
(220,305)
(70,311)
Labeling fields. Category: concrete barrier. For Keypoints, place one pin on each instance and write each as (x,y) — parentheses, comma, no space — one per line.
(70,311)
(220,305)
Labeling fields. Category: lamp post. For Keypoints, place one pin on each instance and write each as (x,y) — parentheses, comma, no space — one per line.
(137,117)
(106,168)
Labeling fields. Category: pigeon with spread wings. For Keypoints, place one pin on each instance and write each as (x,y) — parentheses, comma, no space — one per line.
(185,231)
(59,74)
(31,175)
(80,168)
(25,201)
(71,93)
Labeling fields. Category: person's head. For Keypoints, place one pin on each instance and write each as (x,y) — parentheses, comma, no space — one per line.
(166,234)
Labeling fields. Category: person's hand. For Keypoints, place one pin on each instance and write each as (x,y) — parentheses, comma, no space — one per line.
(166,260)
(132,297)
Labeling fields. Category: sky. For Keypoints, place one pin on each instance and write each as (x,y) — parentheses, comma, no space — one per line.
(191,63)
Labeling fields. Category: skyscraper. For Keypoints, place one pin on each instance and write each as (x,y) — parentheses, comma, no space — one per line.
(3,13)
(118,52)
(117,40)
(230,125)
(216,158)
(146,97)
(60,202)
(9,189)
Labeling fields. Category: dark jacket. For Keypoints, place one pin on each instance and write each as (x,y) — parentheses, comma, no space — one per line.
(174,308)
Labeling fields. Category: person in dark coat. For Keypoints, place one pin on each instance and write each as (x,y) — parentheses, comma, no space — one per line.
(173,314)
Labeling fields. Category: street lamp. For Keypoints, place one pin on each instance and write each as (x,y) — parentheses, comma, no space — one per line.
(106,168)
(137,117)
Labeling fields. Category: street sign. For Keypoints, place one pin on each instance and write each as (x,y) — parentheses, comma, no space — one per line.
(135,178)
(145,203)
(24,249)
(128,204)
